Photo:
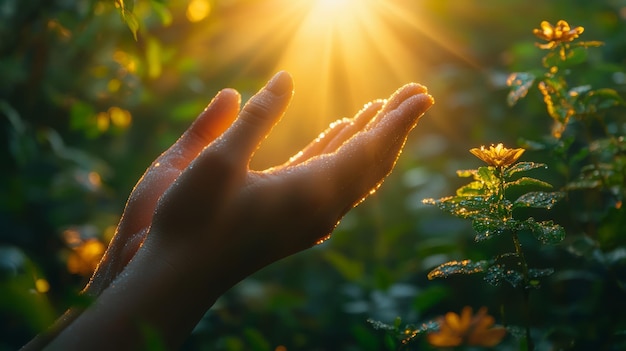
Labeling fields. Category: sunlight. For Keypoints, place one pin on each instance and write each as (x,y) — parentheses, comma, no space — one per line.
(341,53)
(329,12)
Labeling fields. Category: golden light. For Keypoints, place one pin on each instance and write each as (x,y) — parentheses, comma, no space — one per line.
(85,257)
(341,53)
(94,179)
(120,117)
(197,10)
(42,286)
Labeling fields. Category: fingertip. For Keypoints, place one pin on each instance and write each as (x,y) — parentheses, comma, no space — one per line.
(415,106)
(226,95)
(402,94)
(281,83)
(414,88)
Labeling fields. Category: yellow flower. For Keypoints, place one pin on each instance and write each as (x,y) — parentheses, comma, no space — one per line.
(561,33)
(477,330)
(497,156)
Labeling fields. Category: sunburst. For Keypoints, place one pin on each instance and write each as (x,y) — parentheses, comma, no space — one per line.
(341,53)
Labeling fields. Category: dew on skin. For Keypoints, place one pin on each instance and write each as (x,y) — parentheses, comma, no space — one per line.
(296,156)
(322,239)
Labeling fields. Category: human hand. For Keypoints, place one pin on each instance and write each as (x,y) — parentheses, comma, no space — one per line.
(199,220)
(200,201)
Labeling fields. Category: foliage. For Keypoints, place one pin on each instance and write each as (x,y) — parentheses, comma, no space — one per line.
(92,91)
(487,201)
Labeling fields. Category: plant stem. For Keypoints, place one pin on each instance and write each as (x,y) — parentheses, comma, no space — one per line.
(525,290)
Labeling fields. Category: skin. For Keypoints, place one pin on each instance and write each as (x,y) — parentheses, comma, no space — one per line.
(200,220)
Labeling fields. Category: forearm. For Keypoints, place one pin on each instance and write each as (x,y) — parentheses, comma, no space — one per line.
(150,294)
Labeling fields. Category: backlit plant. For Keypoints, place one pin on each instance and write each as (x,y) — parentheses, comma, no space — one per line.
(485,202)
(586,147)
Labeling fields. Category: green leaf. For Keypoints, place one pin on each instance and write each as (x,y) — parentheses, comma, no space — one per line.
(378,325)
(526,181)
(488,227)
(457,267)
(545,231)
(520,83)
(126,11)
(487,175)
(522,167)
(465,173)
(602,99)
(471,189)
(460,206)
(498,272)
(576,56)
(538,199)
(535,273)
(590,43)
(573,56)
(127,5)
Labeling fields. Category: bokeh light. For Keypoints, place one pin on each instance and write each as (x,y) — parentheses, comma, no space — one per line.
(197,10)
(42,286)
(84,258)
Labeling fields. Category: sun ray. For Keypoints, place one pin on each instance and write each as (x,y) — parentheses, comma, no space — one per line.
(342,54)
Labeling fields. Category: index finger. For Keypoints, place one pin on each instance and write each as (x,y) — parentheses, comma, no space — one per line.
(257,118)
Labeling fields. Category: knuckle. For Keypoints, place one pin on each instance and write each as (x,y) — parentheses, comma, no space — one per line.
(257,110)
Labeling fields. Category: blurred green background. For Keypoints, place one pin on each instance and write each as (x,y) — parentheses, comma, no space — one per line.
(85,108)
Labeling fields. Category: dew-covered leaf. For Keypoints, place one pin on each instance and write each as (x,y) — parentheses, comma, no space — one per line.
(488,227)
(535,273)
(522,167)
(545,231)
(487,175)
(538,199)
(411,332)
(460,206)
(527,181)
(471,189)
(465,173)
(378,325)
(457,267)
(498,273)
(520,83)
(475,205)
